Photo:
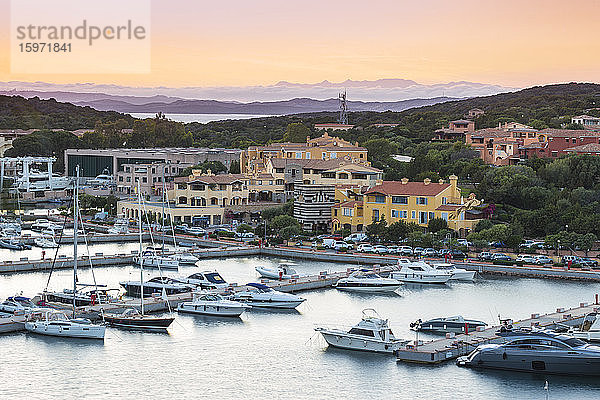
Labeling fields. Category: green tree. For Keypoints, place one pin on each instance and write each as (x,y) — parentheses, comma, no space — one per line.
(377,230)
(234,167)
(437,224)
(282,221)
(296,132)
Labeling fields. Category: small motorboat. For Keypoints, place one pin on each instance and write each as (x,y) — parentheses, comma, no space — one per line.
(536,351)
(205,280)
(45,242)
(372,333)
(43,224)
(457,274)
(156,285)
(13,244)
(214,305)
(262,296)
(152,259)
(55,323)
(456,324)
(185,258)
(589,329)
(283,271)
(367,281)
(419,272)
(17,303)
(12,322)
(131,318)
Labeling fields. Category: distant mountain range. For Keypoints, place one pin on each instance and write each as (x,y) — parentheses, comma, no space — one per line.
(381,90)
(170,105)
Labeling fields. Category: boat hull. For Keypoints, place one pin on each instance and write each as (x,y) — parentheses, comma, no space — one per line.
(70,331)
(523,362)
(282,305)
(463,276)
(418,278)
(212,310)
(445,327)
(270,274)
(134,290)
(368,289)
(143,323)
(12,324)
(351,342)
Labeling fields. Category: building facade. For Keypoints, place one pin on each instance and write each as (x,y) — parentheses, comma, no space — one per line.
(455,130)
(312,206)
(150,177)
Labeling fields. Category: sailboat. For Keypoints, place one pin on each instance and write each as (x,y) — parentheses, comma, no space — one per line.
(132,318)
(56,323)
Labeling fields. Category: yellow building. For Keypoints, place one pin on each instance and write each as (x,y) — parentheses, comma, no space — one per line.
(416,202)
(254,159)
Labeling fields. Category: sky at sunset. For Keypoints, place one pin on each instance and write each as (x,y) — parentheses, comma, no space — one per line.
(260,42)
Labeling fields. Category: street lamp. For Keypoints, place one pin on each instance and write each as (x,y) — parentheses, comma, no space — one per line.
(558,250)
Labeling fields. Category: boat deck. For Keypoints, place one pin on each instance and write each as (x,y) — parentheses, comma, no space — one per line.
(445,349)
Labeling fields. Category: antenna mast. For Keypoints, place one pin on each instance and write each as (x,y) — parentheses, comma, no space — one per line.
(343,118)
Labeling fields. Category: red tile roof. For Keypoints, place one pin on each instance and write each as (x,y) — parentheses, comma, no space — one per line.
(409,188)
(568,132)
(348,204)
(585,148)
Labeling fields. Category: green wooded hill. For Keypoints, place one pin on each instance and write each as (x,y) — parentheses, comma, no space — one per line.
(17,112)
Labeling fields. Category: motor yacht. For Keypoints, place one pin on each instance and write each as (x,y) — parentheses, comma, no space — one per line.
(45,242)
(131,318)
(214,305)
(55,323)
(205,280)
(536,351)
(38,181)
(185,258)
(457,274)
(419,272)
(12,322)
(42,224)
(283,271)
(17,303)
(372,333)
(156,285)
(152,259)
(454,324)
(589,329)
(261,296)
(13,243)
(85,296)
(367,281)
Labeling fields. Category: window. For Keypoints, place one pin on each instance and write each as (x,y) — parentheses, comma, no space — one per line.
(379,199)
(279,182)
(298,154)
(333,155)
(128,179)
(330,175)
(555,154)
(343,175)
(335,212)
(422,217)
(400,199)
(399,214)
(347,212)
(307,155)
(445,216)
(324,156)
(120,179)
(375,214)
(431,215)
(422,201)
(444,200)
(259,182)
(181,186)
(144,179)
(197,186)
(306,171)
(413,215)
(279,170)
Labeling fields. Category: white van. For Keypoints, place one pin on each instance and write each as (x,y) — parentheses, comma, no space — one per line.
(357,237)
(329,243)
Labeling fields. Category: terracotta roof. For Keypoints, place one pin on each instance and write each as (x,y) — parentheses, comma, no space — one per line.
(535,145)
(490,132)
(568,132)
(409,188)
(585,148)
(348,204)
(212,179)
(448,207)
(461,121)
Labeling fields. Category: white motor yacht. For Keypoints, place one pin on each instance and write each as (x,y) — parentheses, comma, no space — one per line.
(262,296)
(372,333)
(185,258)
(419,272)
(56,323)
(589,330)
(17,303)
(367,281)
(121,226)
(152,259)
(157,285)
(45,242)
(214,305)
(12,322)
(283,271)
(205,280)
(458,274)
(43,224)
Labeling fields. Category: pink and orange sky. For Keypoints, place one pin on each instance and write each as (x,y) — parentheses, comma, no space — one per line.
(260,42)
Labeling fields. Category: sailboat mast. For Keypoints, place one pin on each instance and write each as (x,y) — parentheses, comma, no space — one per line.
(76,215)
(162,215)
(141,256)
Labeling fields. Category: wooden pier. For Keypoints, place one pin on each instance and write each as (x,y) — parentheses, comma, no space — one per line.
(446,349)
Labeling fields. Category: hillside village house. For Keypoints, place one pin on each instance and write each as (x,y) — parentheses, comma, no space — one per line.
(500,146)
(325,147)
(417,202)
(554,143)
(586,120)
(455,130)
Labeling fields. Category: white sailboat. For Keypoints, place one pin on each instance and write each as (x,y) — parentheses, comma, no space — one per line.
(56,323)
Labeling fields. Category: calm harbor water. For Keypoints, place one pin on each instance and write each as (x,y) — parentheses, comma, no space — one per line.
(277,354)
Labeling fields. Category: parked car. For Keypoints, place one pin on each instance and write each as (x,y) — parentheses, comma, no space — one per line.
(393,249)
(501,256)
(405,251)
(196,231)
(457,254)
(484,256)
(329,243)
(341,245)
(181,228)
(532,244)
(418,251)
(357,237)
(575,260)
(497,244)
(223,230)
(589,262)
(380,249)
(429,252)
(541,259)
(365,248)
(242,235)
(464,242)
(526,258)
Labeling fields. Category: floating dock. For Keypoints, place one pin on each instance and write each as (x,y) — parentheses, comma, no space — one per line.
(446,349)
